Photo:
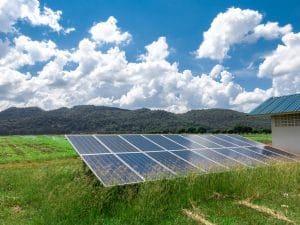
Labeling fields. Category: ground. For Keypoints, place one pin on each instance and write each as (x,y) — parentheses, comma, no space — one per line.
(42,181)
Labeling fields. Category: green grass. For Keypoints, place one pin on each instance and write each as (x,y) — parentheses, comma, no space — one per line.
(46,184)
(20,148)
(263,138)
(62,192)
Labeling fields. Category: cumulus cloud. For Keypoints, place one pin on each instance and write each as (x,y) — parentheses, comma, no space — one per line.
(283,65)
(88,74)
(109,32)
(11,11)
(235,26)
(106,77)
(27,52)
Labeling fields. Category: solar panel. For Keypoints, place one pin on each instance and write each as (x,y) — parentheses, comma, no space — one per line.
(142,143)
(116,143)
(183,141)
(86,144)
(126,159)
(145,166)
(171,161)
(164,142)
(201,140)
(110,170)
(200,161)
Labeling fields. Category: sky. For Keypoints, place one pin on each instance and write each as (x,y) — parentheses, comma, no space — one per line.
(170,55)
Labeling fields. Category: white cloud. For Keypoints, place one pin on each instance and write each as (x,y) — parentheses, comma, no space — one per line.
(269,31)
(27,52)
(12,11)
(109,32)
(283,65)
(106,77)
(235,26)
(156,51)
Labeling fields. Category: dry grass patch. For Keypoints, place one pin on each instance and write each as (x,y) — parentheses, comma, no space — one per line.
(270,212)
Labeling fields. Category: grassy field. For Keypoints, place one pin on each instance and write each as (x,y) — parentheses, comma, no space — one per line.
(51,186)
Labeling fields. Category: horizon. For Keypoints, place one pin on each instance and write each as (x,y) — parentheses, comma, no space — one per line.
(228,55)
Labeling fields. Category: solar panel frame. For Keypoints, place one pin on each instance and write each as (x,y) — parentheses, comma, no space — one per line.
(166,159)
(137,140)
(174,138)
(202,162)
(102,179)
(135,163)
(163,142)
(113,146)
(251,151)
(90,138)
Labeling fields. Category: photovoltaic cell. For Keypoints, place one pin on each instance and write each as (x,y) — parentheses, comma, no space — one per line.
(251,154)
(142,143)
(171,161)
(183,141)
(202,141)
(145,166)
(279,151)
(164,142)
(264,152)
(110,170)
(198,160)
(248,141)
(125,159)
(219,141)
(87,144)
(116,144)
(232,140)
(237,156)
(215,156)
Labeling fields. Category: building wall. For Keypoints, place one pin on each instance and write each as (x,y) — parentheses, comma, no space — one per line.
(286,136)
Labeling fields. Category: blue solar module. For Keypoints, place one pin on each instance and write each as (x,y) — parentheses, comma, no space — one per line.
(247,141)
(164,142)
(145,166)
(237,156)
(116,144)
(183,141)
(142,143)
(263,152)
(251,154)
(217,157)
(233,140)
(86,144)
(172,162)
(110,170)
(198,160)
(218,141)
(278,151)
(199,139)
(126,159)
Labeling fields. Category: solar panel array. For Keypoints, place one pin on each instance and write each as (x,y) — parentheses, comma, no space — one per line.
(133,158)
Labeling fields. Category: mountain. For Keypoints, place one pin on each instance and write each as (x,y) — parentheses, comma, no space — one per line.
(101,119)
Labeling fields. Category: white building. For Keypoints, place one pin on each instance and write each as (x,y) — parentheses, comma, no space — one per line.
(285,115)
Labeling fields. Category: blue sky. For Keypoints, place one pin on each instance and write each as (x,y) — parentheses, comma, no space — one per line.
(182,23)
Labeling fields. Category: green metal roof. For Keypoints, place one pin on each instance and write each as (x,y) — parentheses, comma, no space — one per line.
(278,105)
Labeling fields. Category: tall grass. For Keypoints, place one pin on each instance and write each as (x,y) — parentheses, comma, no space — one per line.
(66,194)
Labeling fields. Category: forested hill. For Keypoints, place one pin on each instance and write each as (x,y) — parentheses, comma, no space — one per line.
(100,119)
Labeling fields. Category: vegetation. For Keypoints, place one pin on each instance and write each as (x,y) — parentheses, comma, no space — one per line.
(100,119)
(62,191)
(20,148)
